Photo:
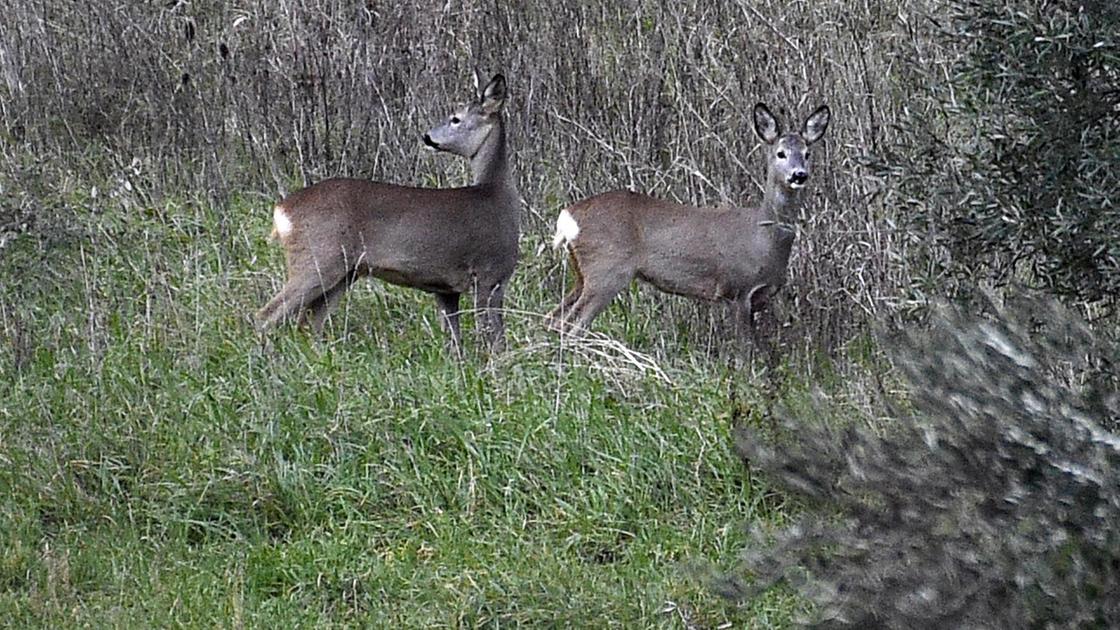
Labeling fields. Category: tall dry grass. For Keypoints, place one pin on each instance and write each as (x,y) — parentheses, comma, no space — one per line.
(223,100)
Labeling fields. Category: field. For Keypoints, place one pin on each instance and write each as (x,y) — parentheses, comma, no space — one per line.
(163,464)
(166,465)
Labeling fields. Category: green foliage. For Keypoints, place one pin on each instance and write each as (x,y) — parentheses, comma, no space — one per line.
(995,504)
(1010,162)
(162,465)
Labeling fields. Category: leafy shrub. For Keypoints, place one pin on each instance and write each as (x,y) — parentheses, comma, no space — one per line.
(995,504)
(1010,166)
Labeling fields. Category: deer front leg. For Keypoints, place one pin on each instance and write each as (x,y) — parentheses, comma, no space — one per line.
(448,308)
(488,302)
(763,324)
(747,339)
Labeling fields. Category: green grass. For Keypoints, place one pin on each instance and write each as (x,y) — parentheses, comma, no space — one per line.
(162,465)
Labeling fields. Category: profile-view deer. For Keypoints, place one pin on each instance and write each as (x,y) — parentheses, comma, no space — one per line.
(737,255)
(443,241)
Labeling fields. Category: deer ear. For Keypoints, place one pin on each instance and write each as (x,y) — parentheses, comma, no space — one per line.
(815,124)
(476,76)
(765,125)
(494,95)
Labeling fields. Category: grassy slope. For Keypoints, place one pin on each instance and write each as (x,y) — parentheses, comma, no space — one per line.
(160,465)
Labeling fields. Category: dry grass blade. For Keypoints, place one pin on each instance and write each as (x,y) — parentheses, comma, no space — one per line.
(595,351)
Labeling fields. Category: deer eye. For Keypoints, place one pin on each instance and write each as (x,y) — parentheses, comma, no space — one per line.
(806,155)
(455,120)
(781,155)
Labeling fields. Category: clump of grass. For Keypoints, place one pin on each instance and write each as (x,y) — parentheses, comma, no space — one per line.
(163,464)
(995,503)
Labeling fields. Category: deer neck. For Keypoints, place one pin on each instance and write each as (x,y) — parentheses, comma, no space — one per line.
(490,165)
(778,204)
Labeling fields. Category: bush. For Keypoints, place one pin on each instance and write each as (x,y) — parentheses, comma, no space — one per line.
(995,504)
(1010,161)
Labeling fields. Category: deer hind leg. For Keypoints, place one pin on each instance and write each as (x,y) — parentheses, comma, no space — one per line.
(488,300)
(306,286)
(298,293)
(600,286)
(447,305)
(316,314)
(555,319)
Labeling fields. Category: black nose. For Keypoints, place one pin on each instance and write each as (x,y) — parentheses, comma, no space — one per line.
(428,141)
(799,177)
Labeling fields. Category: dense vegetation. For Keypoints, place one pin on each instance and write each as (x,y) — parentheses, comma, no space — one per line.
(161,464)
(1008,165)
(992,504)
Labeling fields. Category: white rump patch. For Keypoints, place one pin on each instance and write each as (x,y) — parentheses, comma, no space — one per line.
(566,230)
(282,225)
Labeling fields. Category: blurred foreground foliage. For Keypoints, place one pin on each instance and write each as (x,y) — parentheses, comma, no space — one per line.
(993,503)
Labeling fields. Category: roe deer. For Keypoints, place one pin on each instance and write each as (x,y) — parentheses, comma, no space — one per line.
(738,255)
(443,241)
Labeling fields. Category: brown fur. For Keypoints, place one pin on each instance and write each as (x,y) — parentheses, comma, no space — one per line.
(736,255)
(443,241)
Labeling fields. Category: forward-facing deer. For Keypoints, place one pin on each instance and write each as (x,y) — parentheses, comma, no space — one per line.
(738,255)
(443,241)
